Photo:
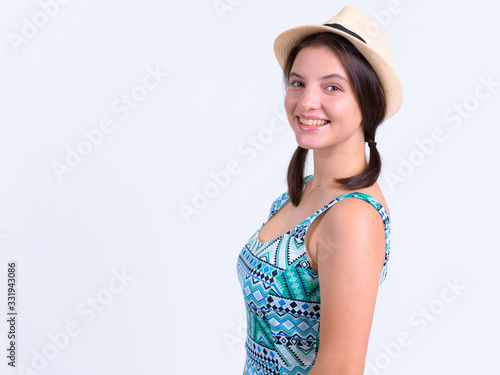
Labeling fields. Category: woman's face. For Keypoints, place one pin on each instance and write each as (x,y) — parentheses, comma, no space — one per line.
(320,103)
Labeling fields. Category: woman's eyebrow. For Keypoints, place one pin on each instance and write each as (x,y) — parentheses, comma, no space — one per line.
(333,75)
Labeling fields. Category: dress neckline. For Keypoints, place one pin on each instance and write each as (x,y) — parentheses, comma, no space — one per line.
(316,213)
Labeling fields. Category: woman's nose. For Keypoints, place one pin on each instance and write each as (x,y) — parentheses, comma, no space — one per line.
(310,98)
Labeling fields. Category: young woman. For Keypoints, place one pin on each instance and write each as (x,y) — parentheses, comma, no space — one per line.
(310,274)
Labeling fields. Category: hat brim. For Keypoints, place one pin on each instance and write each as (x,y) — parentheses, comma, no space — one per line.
(384,70)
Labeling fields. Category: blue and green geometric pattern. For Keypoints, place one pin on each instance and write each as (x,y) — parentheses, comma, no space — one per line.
(281,293)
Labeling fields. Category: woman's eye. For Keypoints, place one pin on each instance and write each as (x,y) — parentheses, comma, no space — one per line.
(295,83)
(333,88)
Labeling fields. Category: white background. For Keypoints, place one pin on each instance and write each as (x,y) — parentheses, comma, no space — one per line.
(119,209)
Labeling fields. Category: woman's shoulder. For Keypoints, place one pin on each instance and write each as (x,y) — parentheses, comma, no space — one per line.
(354,211)
(372,194)
(352,223)
(375,193)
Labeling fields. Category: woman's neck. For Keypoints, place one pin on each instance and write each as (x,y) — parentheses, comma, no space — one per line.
(339,162)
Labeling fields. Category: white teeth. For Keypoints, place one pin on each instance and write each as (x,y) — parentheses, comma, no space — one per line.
(312,122)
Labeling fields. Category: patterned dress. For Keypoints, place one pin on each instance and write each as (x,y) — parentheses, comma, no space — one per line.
(281,293)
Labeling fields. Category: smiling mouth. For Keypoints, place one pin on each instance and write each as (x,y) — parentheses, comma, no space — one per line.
(308,122)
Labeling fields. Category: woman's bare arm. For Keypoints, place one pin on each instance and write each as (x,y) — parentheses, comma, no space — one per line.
(350,254)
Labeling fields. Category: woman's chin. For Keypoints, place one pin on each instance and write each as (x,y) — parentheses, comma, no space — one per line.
(308,143)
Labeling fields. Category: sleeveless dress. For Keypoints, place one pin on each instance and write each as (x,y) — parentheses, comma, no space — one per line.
(281,293)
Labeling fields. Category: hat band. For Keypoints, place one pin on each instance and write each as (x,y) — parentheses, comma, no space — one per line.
(342,28)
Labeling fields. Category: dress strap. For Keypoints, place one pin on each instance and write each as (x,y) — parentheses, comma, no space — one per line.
(381,210)
(302,227)
(367,198)
(282,199)
(277,204)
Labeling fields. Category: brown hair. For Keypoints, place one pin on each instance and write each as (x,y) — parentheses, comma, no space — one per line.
(370,96)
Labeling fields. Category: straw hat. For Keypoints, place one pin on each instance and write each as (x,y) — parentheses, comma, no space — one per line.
(356,27)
